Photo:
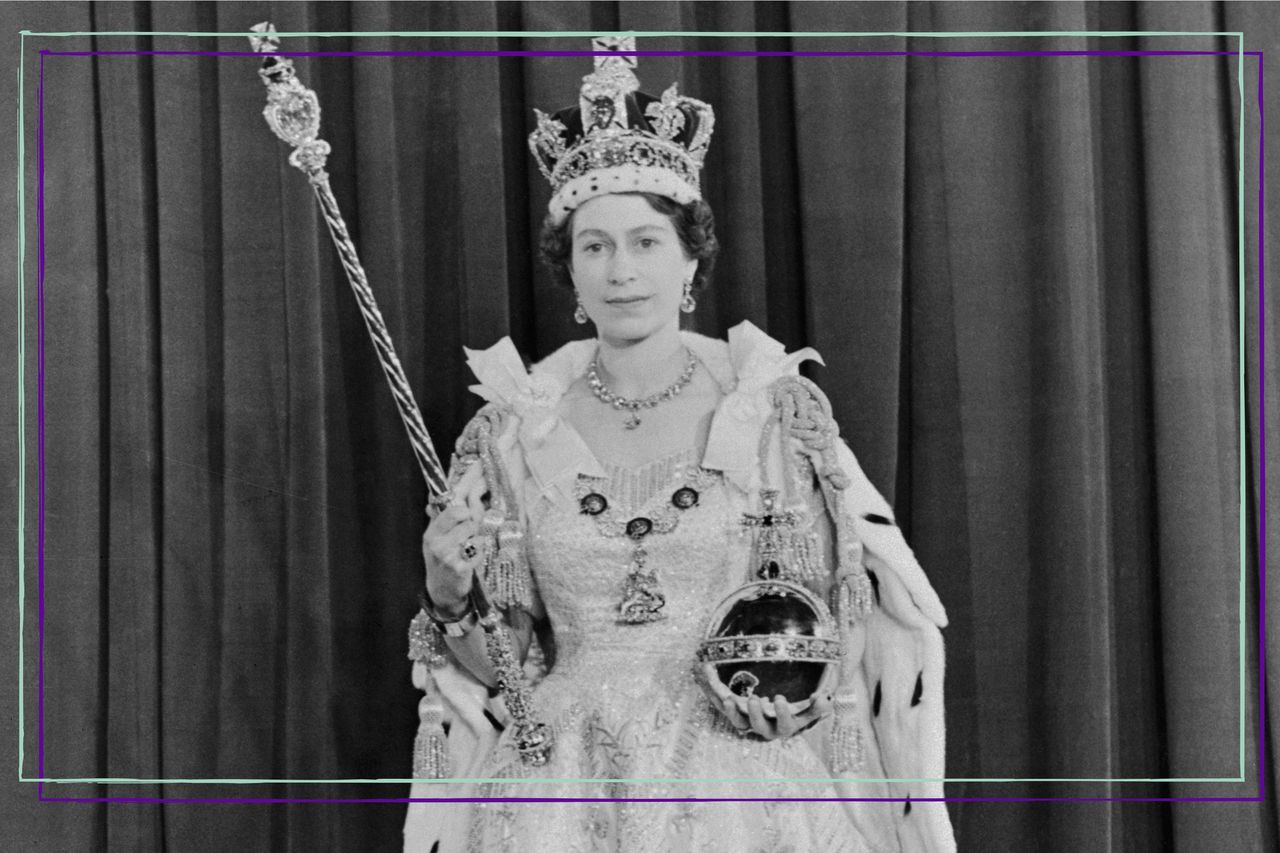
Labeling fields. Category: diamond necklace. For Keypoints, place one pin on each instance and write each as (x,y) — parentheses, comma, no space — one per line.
(604,395)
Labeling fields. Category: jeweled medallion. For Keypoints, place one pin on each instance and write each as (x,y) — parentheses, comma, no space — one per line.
(593,504)
(684,497)
(638,528)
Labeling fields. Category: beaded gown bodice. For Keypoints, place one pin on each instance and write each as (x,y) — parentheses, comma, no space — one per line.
(623,700)
(580,562)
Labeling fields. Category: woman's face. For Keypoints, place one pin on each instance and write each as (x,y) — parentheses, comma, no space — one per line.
(628,266)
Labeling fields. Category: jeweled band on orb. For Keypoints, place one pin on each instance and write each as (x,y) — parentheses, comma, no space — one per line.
(748,649)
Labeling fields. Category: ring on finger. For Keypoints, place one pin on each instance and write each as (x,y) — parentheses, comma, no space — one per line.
(468,550)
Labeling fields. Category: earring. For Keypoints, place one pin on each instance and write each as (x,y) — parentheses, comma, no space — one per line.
(688,303)
(580,314)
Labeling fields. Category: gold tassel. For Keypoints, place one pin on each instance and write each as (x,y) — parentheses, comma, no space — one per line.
(846,749)
(852,598)
(511,581)
(807,549)
(430,751)
(837,600)
(487,539)
(426,644)
(862,597)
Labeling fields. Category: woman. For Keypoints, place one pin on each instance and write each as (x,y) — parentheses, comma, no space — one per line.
(611,498)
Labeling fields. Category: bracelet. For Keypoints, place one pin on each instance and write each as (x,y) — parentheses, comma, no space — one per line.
(456,627)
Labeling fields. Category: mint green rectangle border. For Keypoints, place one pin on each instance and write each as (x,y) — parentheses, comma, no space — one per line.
(1239,36)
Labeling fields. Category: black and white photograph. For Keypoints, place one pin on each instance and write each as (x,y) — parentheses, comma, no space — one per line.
(707,427)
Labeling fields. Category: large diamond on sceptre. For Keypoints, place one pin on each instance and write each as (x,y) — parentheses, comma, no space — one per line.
(292,111)
(772,638)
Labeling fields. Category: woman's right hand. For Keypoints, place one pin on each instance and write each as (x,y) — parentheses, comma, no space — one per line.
(449,570)
(768,718)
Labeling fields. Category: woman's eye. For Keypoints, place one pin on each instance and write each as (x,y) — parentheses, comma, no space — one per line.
(646,242)
(593,248)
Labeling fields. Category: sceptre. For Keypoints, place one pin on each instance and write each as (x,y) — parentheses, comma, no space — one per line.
(293,114)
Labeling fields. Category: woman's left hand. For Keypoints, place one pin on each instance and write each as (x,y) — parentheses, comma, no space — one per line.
(768,719)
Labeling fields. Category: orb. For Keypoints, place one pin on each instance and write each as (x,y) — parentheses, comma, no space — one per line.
(771,638)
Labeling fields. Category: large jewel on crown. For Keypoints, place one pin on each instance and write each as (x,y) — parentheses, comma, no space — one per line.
(771,638)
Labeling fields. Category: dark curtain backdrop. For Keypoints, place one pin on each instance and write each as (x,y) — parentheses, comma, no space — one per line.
(1022,273)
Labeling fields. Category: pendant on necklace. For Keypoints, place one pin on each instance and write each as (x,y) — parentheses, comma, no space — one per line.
(642,597)
(632,421)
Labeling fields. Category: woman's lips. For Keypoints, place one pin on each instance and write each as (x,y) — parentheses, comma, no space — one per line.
(626,302)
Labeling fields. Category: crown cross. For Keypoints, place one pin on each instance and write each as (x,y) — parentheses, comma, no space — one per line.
(606,44)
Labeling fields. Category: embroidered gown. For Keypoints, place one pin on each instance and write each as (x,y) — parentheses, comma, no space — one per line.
(628,716)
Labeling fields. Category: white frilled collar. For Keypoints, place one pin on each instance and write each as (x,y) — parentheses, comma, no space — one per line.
(555,453)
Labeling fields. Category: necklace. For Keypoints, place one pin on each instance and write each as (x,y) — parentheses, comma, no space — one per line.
(604,395)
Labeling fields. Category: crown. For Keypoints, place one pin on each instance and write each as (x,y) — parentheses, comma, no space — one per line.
(619,139)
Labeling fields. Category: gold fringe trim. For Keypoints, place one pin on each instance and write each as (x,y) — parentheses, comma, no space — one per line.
(845,747)
(430,750)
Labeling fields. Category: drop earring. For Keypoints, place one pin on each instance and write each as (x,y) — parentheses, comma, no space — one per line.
(688,303)
(580,314)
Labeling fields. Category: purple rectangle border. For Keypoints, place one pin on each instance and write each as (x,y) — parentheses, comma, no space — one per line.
(1262,516)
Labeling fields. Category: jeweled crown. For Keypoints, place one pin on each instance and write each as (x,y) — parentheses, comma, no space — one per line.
(619,139)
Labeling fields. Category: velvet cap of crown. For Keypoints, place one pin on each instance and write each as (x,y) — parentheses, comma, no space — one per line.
(617,139)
